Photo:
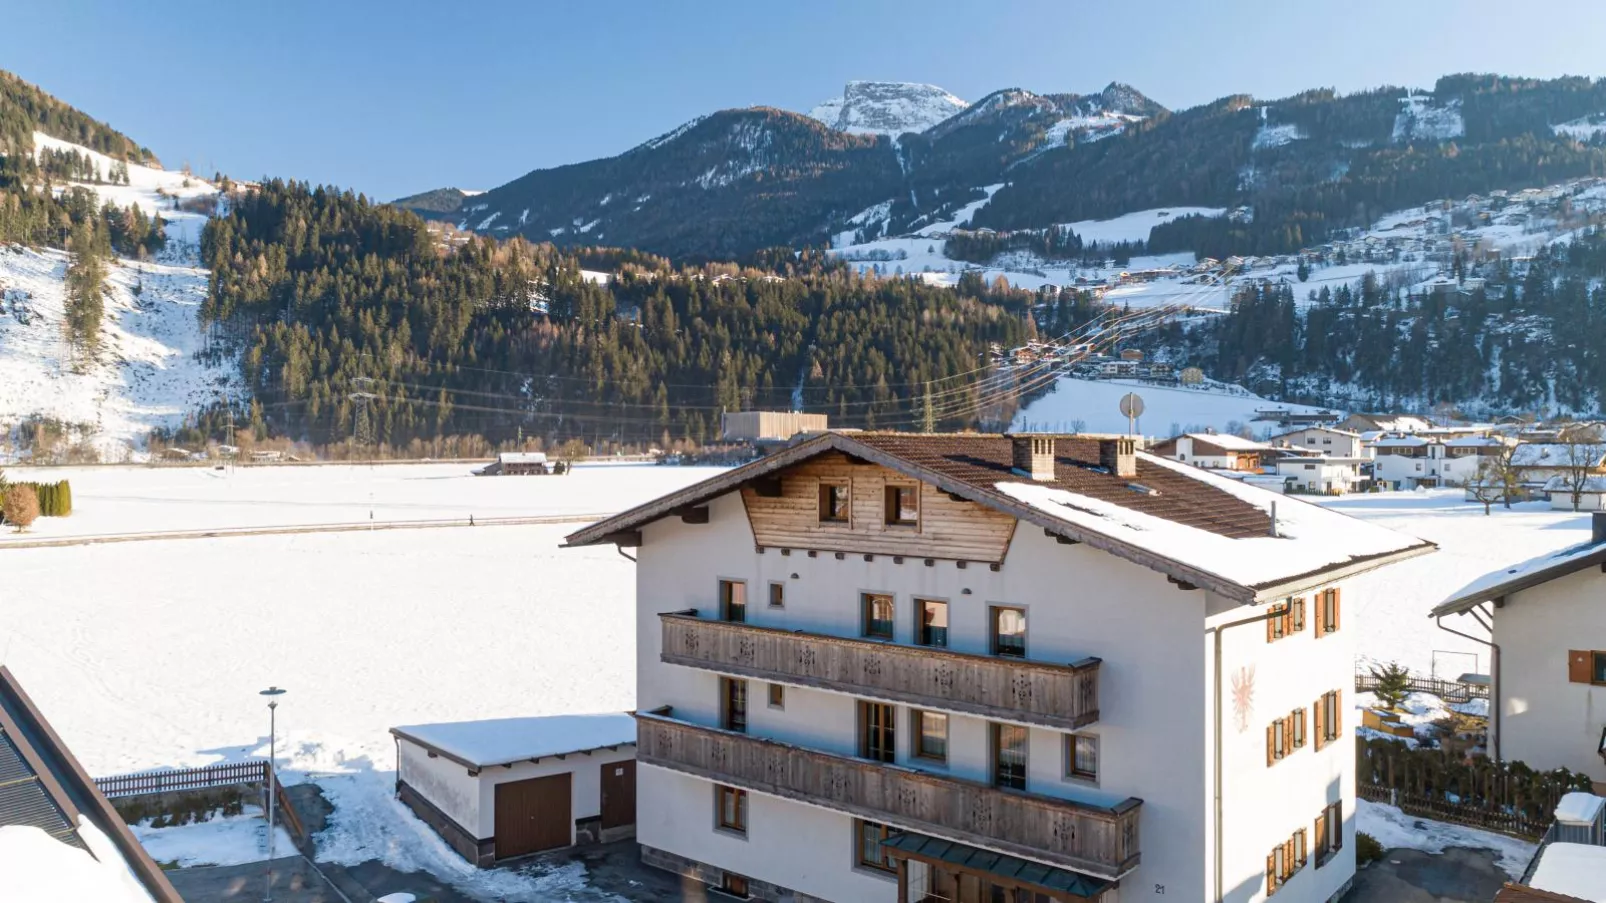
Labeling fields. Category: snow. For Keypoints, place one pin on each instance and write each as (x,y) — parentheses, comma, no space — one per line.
(887,108)
(1396,830)
(1134,226)
(154,190)
(1229,441)
(497,741)
(1497,579)
(1574,869)
(1270,136)
(596,277)
(1556,454)
(669,136)
(222,840)
(1579,808)
(40,869)
(486,223)
(1310,537)
(1091,406)
(963,215)
(1584,129)
(1418,120)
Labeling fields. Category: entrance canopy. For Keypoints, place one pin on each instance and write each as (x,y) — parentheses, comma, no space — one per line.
(994,867)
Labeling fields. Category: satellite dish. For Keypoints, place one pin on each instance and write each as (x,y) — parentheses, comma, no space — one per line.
(1131,405)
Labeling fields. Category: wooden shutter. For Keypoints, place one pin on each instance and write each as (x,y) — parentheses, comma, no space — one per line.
(1321,616)
(1271,873)
(1288,735)
(1321,724)
(1578,666)
(1271,629)
(1321,836)
(1288,858)
(1271,743)
(1338,713)
(1336,607)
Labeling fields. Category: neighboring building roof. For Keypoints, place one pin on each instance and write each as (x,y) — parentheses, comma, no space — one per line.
(1556,454)
(521,457)
(1401,442)
(504,741)
(1590,484)
(1573,869)
(1187,523)
(1223,440)
(1474,442)
(1579,808)
(52,817)
(1318,429)
(1516,893)
(1295,460)
(1530,573)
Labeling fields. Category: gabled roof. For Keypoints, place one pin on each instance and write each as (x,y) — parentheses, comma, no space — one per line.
(1189,524)
(507,741)
(1319,429)
(1225,441)
(1557,454)
(43,787)
(1525,575)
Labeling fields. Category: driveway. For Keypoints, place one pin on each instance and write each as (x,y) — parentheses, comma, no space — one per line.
(1458,875)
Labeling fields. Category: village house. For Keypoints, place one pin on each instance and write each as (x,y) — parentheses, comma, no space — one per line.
(1539,463)
(1429,459)
(1219,451)
(1547,696)
(1324,440)
(1323,475)
(896,667)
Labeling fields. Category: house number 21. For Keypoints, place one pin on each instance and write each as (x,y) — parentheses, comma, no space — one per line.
(1160,889)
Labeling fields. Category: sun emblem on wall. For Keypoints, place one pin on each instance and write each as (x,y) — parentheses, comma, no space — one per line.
(1243,697)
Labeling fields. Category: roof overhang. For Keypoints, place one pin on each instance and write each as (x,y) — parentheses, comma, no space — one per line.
(437,750)
(1464,602)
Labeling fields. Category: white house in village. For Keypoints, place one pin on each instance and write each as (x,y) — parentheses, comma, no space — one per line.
(1326,441)
(508,787)
(894,667)
(1406,462)
(1538,463)
(1548,695)
(1591,493)
(1214,451)
(1322,475)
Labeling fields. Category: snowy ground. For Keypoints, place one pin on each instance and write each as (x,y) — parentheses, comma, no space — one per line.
(117,500)
(223,840)
(1394,830)
(1168,410)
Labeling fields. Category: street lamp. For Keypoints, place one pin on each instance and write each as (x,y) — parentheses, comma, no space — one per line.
(273,694)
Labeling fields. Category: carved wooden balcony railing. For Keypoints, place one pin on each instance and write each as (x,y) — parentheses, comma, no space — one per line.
(1094,840)
(1064,697)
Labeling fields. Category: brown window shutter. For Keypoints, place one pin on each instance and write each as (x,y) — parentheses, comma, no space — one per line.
(1578,670)
(1288,619)
(1321,834)
(1338,713)
(1271,744)
(1271,630)
(1321,616)
(1288,857)
(1271,873)
(1337,604)
(1321,725)
(1288,735)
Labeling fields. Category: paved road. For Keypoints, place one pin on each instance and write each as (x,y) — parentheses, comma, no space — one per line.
(1410,876)
(294,881)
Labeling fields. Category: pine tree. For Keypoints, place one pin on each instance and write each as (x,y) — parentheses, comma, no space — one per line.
(1393,684)
(86,281)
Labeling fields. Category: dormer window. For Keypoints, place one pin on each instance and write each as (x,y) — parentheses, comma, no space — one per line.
(834,503)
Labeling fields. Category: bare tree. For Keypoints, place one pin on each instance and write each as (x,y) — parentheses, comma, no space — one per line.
(1582,451)
(1495,481)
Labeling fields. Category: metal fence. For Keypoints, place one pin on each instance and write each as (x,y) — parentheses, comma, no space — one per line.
(228,774)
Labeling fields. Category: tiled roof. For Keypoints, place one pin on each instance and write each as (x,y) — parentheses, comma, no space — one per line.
(983,461)
(1517,893)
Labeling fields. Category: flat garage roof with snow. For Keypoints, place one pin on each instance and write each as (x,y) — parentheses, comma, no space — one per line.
(1575,869)
(499,741)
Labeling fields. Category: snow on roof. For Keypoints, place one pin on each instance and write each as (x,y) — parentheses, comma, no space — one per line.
(1579,808)
(1228,441)
(1560,483)
(1400,442)
(1522,575)
(1319,429)
(497,741)
(1474,442)
(38,867)
(1310,538)
(1555,454)
(521,457)
(1574,869)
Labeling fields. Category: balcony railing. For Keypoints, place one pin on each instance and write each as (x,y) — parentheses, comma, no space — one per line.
(1095,840)
(1065,697)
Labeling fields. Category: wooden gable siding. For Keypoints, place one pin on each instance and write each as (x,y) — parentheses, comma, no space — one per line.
(948,529)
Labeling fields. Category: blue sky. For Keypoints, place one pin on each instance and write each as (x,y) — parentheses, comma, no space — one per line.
(399,96)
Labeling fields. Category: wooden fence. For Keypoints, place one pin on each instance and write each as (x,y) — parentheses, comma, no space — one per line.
(1449,690)
(1515,823)
(227,774)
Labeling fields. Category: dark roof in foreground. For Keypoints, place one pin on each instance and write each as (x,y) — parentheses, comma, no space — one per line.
(1526,575)
(1517,893)
(1189,524)
(43,786)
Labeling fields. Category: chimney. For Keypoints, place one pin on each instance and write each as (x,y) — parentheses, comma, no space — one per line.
(1032,456)
(1119,456)
(1597,528)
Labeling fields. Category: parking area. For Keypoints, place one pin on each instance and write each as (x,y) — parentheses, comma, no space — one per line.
(1458,875)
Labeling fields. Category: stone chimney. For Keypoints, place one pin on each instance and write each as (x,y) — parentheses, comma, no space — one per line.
(1119,456)
(1597,527)
(1032,456)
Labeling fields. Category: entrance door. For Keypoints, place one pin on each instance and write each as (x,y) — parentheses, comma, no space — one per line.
(533,815)
(619,794)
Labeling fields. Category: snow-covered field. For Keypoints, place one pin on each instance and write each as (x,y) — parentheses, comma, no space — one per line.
(151,654)
(146,374)
(223,840)
(1092,406)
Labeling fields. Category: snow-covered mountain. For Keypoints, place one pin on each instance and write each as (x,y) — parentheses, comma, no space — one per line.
(887,108)
(147,373)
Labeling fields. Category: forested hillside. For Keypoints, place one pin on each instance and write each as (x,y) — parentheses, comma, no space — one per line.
(351,322)
(1533,338)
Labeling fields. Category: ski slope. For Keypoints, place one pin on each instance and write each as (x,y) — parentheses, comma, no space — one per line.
(1092,406)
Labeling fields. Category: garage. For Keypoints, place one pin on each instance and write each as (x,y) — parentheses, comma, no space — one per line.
(503,788)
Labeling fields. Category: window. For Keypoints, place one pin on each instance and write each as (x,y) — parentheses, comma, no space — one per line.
(732,600)
(777,595)
(1329,832)
(867,837)
(878,612)
(777,696)
(1298,721)
(903,506)
(1585,666)
(1278,737)
(730,808)
(931,735)
(933,627)
(1296,615)
(1009,632)
(1329,718)
(1009,756)
(1310,466)
(1287,618)
(1284,861)
(833,503)
(1082,757)
(733,704)
(734,884)
(1600,667)
(1327,611)
(878,734)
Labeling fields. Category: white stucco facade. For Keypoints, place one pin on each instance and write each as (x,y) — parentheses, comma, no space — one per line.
(1321,475)
(1546,719)
(1328,443)
(1155,732)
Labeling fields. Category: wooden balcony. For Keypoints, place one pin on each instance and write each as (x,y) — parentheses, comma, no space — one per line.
(1064,697)
(1095,840)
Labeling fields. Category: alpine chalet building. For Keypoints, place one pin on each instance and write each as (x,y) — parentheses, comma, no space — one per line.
(902,667)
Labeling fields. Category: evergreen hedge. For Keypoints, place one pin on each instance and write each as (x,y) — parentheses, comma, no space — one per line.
(55,499)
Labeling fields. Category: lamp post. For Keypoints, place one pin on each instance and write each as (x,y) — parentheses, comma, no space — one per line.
(273,694)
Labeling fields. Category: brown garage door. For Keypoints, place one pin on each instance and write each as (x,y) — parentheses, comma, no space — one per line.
(532,815)
(619,794)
